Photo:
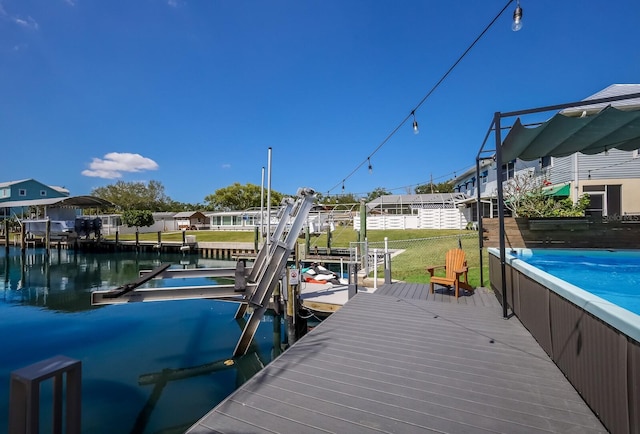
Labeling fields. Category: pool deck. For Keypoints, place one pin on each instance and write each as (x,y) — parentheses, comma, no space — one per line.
(402,360)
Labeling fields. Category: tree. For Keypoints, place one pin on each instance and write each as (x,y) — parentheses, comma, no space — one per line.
(346,198)
(135,195)
(137,218)
(443,187)
(376,193)
(524,196)
(237,197)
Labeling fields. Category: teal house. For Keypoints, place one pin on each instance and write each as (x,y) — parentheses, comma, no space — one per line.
(18,194)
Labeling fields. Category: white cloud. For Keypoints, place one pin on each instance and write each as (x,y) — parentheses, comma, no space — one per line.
(173,3)
(70,2)
(114,163)
(29,23)
(226,166)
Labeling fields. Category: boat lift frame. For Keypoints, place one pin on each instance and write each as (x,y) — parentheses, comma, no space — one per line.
(252,287)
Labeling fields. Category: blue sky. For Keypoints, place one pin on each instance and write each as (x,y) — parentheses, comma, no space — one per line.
(192,93)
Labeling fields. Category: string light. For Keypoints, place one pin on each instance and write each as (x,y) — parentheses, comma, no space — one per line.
(370,166)
(446,74)
(517,18)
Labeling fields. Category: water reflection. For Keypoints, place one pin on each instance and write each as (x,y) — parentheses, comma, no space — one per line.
(63,279)
(146,367)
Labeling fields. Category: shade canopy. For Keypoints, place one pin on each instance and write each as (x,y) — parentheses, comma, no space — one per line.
(74,201)
(563,135)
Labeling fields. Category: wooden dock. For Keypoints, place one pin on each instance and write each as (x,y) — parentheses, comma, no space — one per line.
(402,360)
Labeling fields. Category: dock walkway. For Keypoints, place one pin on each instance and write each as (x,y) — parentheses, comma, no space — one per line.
(402,360)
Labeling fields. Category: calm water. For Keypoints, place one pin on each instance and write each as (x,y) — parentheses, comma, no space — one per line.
(611,275)
(45,310)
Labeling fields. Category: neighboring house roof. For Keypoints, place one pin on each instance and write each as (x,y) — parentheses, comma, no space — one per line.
(417,199)
(10,183)
(188,214)
(613,90)
(59,189)
(163,214)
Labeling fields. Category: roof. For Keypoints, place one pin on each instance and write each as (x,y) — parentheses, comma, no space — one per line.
(417,199)
(74,201)
(617,125)
(10,183)
(613,90)
(186,214)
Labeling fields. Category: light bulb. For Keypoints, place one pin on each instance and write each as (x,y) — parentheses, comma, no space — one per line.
(370,166)
(415,127)
(517,19)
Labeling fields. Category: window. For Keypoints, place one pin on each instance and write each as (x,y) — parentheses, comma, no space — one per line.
(604,200)
(22,192)
(485,176)
(508,170)
(545,162)
(43,193)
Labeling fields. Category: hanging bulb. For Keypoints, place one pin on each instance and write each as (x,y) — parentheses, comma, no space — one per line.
(370,166)
(517,18)
(415,124)
(343,186)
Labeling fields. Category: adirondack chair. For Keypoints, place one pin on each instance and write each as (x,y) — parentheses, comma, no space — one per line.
(455,270)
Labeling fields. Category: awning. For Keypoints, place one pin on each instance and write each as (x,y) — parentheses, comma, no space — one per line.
(560,190)
(563,135)
(74,201)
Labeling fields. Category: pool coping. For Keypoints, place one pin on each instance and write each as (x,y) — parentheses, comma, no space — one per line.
(622,319)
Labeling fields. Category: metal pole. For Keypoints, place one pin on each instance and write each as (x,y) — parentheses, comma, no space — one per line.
(269,199)
(262,205)
(503,274)
(479,219)
(375,269)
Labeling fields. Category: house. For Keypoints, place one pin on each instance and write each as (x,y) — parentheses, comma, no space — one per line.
(18,193)
(611,178)
(191,220)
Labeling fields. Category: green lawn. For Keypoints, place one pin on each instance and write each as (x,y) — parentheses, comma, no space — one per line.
(420,247)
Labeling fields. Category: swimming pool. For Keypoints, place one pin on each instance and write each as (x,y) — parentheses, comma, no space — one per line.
(605,283)
(613,275)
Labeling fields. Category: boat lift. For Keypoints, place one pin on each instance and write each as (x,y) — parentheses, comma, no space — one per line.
(252,287)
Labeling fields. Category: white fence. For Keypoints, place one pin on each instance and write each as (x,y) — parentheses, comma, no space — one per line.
(446,218)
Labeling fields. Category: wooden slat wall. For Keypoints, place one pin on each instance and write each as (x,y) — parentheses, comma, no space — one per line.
(602,363)
(556,234)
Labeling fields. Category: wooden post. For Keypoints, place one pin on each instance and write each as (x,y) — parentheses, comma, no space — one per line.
(159,240)
(6,235)
(291,312)
(23,238)
(307,241)
(47,237)
(329,240)
(137,240)
(256,239)
(117,238)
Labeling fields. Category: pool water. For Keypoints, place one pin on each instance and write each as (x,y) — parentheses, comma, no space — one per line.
(45,310)
(613,275)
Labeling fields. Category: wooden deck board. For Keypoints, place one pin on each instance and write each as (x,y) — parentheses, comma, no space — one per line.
(384,363)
